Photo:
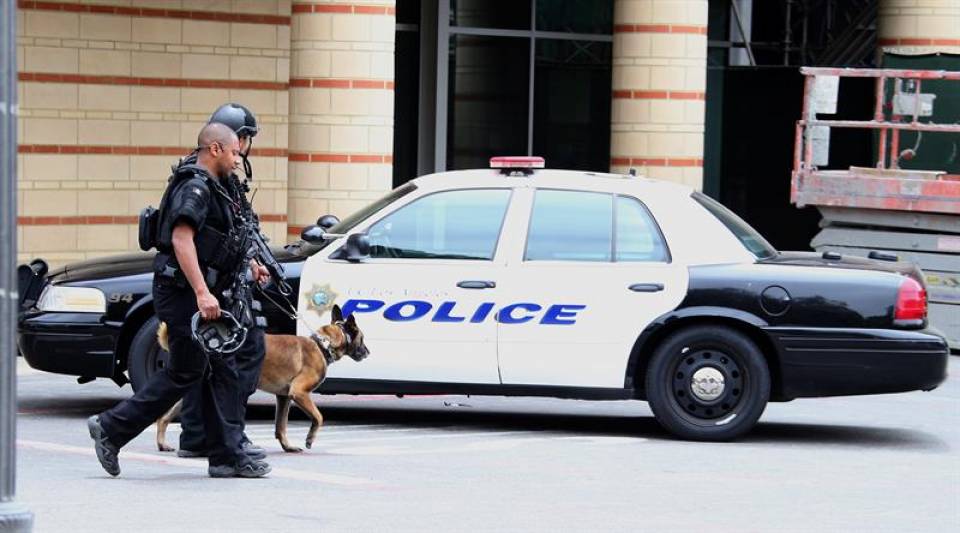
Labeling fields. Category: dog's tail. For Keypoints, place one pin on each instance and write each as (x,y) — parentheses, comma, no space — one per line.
(162,336)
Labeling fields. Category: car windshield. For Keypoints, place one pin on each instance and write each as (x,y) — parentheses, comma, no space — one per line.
(304,248)
(749,237)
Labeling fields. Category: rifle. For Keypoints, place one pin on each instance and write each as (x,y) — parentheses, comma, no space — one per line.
(260,251)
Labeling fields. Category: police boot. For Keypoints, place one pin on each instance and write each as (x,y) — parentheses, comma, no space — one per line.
(251,449)
(255,453)
(106,451)
(247,469)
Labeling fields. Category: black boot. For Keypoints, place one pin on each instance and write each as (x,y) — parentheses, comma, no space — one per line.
(106,451)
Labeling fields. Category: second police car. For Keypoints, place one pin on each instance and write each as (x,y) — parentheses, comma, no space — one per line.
(519,280)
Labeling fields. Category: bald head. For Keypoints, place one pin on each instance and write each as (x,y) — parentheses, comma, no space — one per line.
(219,149)
(216,133)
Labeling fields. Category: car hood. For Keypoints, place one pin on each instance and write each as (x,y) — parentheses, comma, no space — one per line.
(127,265)
(104,267)
(814,259)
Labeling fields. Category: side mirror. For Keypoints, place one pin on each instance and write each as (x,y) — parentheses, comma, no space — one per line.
(357,247)
(313,234)
(327,221)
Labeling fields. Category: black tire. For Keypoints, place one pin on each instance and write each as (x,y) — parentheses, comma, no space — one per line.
(708,409)
(145,357)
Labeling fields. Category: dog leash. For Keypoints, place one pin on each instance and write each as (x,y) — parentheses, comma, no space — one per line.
(322,342)
(288,309)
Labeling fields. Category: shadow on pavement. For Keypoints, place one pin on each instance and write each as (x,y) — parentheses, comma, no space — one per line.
(852,436)
(622,426)
(489,419)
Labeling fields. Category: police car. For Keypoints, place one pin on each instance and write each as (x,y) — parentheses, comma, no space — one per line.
(520,280)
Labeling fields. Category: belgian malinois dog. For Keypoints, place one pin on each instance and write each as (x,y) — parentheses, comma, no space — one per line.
(292,368)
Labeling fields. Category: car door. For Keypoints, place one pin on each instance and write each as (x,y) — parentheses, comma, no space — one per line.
(425,297)
(594,272)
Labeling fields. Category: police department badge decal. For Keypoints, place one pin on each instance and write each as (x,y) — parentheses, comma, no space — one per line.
(320,298)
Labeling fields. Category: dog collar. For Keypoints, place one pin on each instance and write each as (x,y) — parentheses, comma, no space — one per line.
(347,339)
(324,344)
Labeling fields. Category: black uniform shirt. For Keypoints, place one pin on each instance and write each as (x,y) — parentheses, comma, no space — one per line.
(200,202)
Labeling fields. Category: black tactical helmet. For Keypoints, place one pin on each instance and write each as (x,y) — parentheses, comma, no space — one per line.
(238,118)
(220,336)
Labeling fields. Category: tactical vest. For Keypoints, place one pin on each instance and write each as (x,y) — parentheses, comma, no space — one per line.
(222,241)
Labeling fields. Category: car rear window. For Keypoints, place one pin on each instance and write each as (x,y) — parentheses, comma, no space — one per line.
(749,237)
(592,226)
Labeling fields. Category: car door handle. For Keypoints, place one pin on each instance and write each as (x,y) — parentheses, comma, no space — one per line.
(646,287)
(475,284)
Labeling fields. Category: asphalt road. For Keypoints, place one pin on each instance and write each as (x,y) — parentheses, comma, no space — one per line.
(453,463)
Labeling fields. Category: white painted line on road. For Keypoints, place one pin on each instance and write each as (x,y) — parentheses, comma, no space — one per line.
(283,473)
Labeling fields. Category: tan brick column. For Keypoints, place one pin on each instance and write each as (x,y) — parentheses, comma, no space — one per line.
(113,93)
(659,85)
(341,107)
(919,26)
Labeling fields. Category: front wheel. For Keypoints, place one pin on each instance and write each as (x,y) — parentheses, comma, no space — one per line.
(707,383)
(146,357)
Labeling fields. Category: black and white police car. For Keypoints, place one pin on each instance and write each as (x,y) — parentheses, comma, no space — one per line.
(519,280)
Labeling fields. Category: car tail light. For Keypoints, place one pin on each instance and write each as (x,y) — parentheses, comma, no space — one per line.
(911,308)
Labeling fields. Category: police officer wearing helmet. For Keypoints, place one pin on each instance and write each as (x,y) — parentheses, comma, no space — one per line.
(200,246)
(250,354)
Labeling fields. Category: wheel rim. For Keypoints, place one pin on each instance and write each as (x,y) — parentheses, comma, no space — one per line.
(708,383)
(157,359)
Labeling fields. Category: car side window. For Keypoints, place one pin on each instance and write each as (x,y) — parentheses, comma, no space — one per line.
(638,236)
(462,224)
(570,226)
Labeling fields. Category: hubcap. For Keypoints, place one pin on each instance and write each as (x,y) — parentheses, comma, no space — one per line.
(707,383)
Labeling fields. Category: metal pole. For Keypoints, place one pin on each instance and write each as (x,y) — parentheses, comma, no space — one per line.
(13,517)
(744,36)
(878,117)
(787,33)
(443,89)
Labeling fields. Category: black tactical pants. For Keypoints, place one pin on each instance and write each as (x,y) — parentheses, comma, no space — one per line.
(249,361)
(188,369)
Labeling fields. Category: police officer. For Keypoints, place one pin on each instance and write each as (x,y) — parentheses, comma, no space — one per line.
(249,358)
(187,280)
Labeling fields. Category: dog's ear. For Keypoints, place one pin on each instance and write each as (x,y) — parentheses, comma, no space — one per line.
(336,315)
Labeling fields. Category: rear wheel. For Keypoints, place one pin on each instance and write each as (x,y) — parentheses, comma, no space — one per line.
(707,383)
(146,357)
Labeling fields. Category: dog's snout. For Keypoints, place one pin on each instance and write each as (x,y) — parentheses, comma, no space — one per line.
(361,353)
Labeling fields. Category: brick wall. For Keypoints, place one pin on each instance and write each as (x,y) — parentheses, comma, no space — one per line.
(659,86)
(341,107)
(113,92)
(919,26)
